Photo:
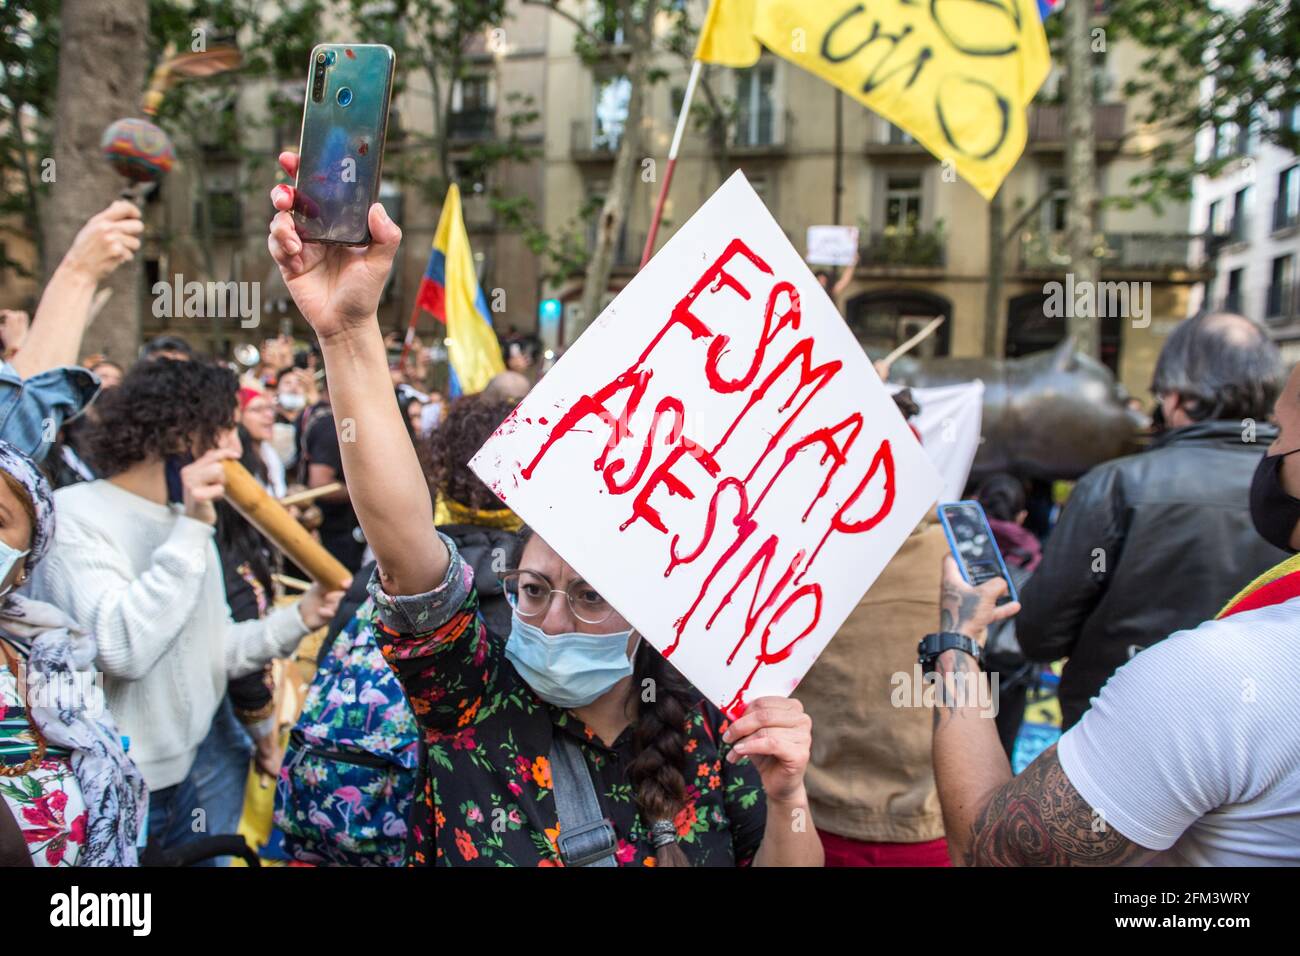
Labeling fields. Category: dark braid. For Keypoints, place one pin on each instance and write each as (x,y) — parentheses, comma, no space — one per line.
(658,768)
(657,771)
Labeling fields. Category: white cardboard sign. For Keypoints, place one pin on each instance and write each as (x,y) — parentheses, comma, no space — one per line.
(718,458)
(832,245)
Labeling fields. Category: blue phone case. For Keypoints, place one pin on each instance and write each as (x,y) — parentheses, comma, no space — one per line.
(1011,594)
(342,147)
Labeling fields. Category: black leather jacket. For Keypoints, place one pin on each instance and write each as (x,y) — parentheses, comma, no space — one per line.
(1148,545)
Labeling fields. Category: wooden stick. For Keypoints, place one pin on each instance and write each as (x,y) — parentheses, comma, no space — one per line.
(296,584)
(913,342)
(272,519)
(310,494)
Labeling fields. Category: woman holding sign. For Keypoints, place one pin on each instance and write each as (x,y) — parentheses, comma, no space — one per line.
(571,742)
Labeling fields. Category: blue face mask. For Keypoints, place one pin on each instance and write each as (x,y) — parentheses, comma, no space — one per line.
(8,558)
(567,670)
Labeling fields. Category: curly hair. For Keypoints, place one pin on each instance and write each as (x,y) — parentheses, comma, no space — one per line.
(163,407)
(469,422)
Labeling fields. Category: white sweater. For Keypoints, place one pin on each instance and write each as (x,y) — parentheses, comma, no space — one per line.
(147,582)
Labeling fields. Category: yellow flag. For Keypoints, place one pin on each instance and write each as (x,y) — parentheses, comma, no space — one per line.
(472,346)
(955,74)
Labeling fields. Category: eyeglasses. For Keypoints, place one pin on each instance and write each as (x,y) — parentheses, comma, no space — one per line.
(530,593)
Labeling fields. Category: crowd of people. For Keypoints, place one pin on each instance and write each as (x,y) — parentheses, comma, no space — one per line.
(477,702)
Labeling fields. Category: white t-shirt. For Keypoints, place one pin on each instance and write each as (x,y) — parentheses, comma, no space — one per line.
(1193,746)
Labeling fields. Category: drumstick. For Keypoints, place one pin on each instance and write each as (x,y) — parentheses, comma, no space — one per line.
(296,584)
(310,494)
(272,519)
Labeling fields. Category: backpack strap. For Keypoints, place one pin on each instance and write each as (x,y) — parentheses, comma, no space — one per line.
(587,837)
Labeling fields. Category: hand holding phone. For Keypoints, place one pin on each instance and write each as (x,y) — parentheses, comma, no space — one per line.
(973,545)
(335,287)
(344,131)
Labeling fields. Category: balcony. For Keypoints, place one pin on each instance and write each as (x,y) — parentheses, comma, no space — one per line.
(589,143)
(1283,303)
(904,248)
(1118,252)
(1047,129)
(471,126)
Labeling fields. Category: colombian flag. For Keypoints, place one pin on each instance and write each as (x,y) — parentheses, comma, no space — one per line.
(449,291)
(958,76)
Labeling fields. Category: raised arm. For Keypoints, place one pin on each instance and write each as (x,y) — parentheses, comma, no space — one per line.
(337,290)
(107,240)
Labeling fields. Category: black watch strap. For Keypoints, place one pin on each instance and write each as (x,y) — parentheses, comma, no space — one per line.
(932,645)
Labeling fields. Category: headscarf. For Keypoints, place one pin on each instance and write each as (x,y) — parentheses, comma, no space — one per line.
(72,713)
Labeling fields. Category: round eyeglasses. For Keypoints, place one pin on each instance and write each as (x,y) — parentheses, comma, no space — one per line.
(530,593)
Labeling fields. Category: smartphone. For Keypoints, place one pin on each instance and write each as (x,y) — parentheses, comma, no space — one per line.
(172,466)
(341,152)
(973,545)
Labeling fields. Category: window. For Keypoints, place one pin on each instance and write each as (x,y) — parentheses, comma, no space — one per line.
(473,111)
(903,203)
(1058,201)
(1218,224)
(1242,200)
(1281,291)
(899,136)
(1232,300)
(1286,212)
(612,97)
(755,99)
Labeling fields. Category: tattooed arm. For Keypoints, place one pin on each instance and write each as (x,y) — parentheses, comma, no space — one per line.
(990,817)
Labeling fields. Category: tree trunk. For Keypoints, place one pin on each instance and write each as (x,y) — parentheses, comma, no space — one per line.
(102,62)
(994,333)
(622,180)
(1081,173)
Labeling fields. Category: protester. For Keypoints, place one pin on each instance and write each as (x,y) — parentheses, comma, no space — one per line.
(321,463)
(167,347)
(836,289)
(257,423)
(70,789)
(134,561)
(108,372)
(560,702)
(508,386)
(1156,542)
(1190,755)
(870,782)
(43,386)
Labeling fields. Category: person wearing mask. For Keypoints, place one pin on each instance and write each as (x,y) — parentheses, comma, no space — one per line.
(1189,755)
(134,562)
(680,783)
(73,795)
(1155,542)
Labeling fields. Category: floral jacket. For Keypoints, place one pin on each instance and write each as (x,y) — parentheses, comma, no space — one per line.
(485,797)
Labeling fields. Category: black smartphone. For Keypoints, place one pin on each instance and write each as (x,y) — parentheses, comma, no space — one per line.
(973,545)
(172,466)
(341,151)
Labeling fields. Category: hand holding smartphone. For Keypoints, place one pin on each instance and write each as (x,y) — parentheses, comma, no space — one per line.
(973,546)
(344,130)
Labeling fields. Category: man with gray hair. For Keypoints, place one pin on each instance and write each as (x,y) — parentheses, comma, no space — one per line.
(1154,543)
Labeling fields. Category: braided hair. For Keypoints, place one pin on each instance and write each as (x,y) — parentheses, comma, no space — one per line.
(657,771)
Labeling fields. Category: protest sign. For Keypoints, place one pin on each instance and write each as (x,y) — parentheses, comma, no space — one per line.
(832,245)
(717,457)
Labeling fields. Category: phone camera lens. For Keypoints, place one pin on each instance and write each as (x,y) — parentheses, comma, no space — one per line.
(320,57)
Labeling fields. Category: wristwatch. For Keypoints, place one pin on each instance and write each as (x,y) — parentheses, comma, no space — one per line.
(932,645)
